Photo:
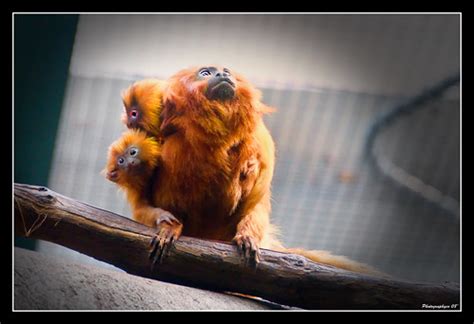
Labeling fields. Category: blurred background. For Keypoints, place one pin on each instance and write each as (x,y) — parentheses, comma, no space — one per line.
(363,169)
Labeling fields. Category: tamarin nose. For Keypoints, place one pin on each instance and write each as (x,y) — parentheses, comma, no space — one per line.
(222,75)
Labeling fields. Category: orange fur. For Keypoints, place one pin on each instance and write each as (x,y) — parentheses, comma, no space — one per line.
(200,181)
(134,181)
(216,168)
(144,96)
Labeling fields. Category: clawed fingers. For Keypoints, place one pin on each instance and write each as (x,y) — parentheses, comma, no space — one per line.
(249,250)
(166,244)
(161,244)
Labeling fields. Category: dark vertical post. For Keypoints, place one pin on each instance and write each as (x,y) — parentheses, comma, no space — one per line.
(42,51)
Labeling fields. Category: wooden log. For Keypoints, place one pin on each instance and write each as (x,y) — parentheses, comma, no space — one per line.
(282,278)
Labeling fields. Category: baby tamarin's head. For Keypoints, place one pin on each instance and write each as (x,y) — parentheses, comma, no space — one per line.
(132,158)
(142,105)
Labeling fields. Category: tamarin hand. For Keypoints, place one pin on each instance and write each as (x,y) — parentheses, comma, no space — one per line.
(248,249)
(169,229)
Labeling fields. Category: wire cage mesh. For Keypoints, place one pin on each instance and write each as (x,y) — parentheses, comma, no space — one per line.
(325,192)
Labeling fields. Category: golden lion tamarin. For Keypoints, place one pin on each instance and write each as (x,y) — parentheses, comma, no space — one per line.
(217,131)
(214,168)
(132,160)
(142,103)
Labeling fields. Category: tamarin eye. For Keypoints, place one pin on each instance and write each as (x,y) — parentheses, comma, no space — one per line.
(121,161)
(133,151)
(226,72)
(134,113)
(204,72)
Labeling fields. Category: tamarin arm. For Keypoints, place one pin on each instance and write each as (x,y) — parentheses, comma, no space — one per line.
(255,209)
(259,196)
(251,230)
(151,216)
(169,228)
(145,213)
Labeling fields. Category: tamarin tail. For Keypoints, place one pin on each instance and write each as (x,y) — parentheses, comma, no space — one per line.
(337,261)
(271,242)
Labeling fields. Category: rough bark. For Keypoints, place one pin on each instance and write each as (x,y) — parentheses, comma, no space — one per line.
(282,278)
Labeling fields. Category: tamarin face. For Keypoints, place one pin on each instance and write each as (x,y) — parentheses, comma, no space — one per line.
(142,105)
(220,83)
(128,162)
(210,88)
(133,155)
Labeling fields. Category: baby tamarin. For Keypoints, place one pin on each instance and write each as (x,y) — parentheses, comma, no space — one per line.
(142,102)
(132,160)
(213,121)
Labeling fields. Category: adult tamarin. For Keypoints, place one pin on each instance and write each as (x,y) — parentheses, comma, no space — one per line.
(213,123)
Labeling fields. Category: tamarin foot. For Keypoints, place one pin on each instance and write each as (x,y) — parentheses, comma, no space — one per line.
(169,230)
(248,248)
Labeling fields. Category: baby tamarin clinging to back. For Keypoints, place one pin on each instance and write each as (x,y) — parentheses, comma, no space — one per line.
(142,104)
(214,129)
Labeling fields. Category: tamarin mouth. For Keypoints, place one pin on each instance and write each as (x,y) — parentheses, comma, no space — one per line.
(224,90)
(112,175)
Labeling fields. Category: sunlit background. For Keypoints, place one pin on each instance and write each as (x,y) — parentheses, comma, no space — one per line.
(331,77)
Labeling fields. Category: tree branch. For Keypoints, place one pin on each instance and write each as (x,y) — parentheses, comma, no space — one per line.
(283,278)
